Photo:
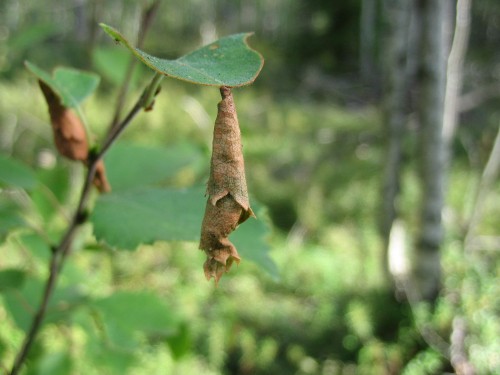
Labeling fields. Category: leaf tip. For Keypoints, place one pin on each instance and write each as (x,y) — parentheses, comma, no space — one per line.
(112,32)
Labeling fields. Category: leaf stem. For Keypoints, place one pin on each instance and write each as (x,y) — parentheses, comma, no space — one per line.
(60,252)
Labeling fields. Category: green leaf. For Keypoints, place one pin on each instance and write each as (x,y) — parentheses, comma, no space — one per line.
(52,191)
(21,303)
(71,85)
(131,165)
(227,62)
(11,279)
(181,342)
(113,63)
(125,314)
(130,218)
(59,363)
(143,216)
(31,36)
(14,173)
(10,216)
(250,240)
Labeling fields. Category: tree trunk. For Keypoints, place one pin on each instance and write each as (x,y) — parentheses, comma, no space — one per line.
(454,75)
(396,111)
(367,37)
(429,109)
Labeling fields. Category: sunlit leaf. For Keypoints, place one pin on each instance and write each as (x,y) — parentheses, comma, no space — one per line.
(228,61)
(71,85)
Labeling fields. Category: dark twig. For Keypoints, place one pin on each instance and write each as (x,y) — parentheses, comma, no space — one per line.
(62,250)
(147,17)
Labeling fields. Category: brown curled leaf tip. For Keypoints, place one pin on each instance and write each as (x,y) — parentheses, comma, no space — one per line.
(227,205)
(100,180)
(70,137)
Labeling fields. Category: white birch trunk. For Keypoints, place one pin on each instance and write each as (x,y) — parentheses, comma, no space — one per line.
(397,13)
(429,108)
(454,75)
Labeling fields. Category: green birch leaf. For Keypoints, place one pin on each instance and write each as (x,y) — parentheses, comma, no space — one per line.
(228,61)
(58,363)
(127,219)
(71,85)
(130,165)
(133,217)
(11,216)
(14,173)
(145,313)
(11,278)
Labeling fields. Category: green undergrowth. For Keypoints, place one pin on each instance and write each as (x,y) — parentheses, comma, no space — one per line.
(316,169)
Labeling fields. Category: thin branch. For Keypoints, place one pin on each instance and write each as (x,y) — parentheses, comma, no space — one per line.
(60,252)
(458,355)
(476,97)
(490,174)
(147,17)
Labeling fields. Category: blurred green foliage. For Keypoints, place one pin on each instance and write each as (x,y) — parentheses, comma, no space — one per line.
(316,168)
(314,165)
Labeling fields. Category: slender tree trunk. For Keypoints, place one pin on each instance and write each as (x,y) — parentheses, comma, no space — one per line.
(397,14)
(429,109)
(367,39)
(454,75)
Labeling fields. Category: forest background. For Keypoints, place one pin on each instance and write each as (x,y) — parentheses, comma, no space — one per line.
(372,155)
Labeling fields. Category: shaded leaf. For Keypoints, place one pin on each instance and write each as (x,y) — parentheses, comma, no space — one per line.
(112,63)
(180,343)
(14,173)
(10,216)
(251,242)
(71,86)
(28,37)
(52,191)
(11,279)
(227,62)
(59,363)
(21,303)
(130,218)
(131,165)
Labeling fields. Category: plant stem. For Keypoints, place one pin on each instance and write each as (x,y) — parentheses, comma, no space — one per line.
(60,253)
(148,14)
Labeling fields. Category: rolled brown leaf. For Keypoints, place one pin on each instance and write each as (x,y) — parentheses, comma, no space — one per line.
(100,181)
(227,205)
(70,137)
